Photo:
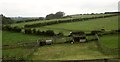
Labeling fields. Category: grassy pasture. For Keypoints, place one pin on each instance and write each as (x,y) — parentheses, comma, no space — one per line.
(110,23)
(81,51)
(33,22)
(57,51)
(63,51)
(12,38)
(110,41)
(17,52)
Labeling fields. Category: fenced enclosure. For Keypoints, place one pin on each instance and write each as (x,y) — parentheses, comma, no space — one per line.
(106,50)
(33,45)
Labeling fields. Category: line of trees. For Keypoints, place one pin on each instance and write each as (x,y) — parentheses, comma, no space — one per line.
(6,20)
(55,16)
(51,32)
(29,20)
(30,31)
(9,28)
(38,32)
(64,21)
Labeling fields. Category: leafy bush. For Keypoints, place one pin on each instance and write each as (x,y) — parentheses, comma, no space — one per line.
(28,31)
(50,33)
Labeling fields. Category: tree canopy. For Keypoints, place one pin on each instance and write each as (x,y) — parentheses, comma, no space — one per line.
(56,15)
(6,20)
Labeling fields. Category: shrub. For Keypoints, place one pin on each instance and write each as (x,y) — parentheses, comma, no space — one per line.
(6,27)
(60,34)
(28,31)
(34,31)
(95,32)
(50,33)
(17,29)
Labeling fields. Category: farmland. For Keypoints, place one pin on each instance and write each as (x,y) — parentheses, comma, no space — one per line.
(12,39)
(64,51)
(96,24)
(58,51)
(110,41)
(69,52)
(73,17)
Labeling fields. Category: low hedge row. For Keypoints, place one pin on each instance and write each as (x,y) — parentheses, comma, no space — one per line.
(13,59)
(38,32)
(51,32)
(30,31)
(63,21)
(9,28)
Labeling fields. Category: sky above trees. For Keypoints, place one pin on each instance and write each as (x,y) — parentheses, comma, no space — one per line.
(40,8)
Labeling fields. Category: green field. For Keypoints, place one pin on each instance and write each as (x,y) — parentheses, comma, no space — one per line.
(33,22)
(59,51)
(13,38)
(110,23)
(81,51)
(110,41)
(68,51)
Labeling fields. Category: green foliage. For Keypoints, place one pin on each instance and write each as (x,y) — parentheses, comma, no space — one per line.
(28,31)
(9,28)
(57,15)
(50,16)
(50,33)
(6,20)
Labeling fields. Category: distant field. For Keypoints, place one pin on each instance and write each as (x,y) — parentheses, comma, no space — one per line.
(80,16)
(110,23)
